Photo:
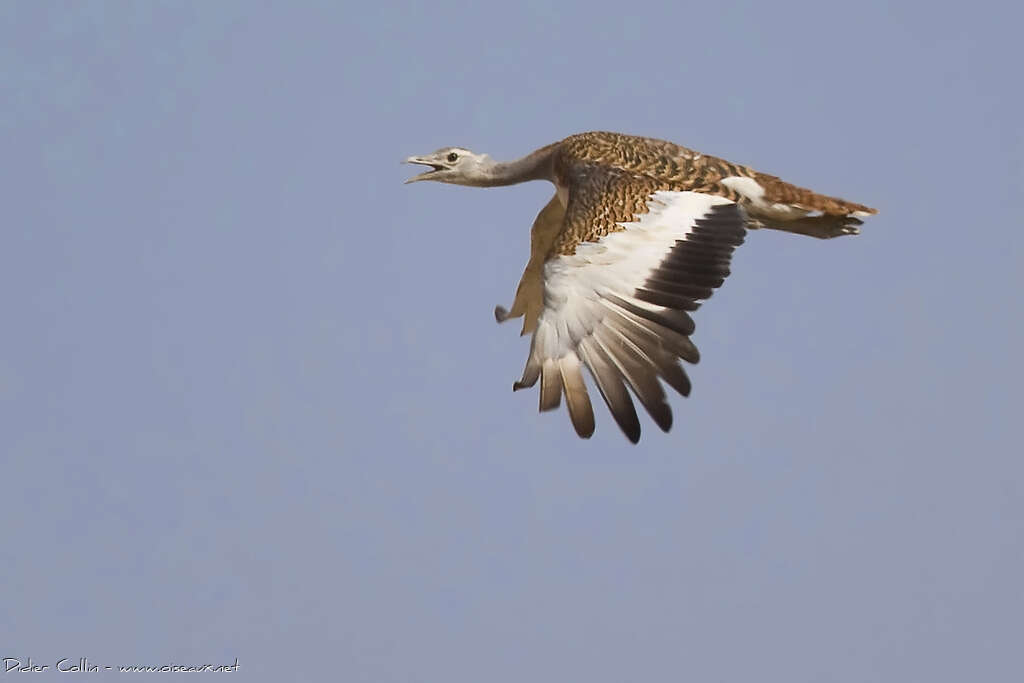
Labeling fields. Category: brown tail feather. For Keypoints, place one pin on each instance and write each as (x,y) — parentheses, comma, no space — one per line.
(781,192)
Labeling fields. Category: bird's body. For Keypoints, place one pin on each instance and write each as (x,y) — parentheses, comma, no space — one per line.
(638,233)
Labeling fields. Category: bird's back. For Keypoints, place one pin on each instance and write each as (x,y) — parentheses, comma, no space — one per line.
(674,167)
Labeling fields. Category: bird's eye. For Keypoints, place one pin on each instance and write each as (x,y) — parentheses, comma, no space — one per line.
(453,157)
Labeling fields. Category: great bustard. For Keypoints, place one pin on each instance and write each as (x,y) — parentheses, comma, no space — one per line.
(639,232)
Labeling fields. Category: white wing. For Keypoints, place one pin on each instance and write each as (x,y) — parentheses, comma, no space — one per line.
(619,307)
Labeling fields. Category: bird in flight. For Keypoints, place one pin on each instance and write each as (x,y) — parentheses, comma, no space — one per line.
(639,233)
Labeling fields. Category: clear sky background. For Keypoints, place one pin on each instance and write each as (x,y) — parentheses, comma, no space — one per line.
(254,404)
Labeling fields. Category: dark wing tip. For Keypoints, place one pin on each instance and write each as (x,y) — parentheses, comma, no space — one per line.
(632,432)
(662,416)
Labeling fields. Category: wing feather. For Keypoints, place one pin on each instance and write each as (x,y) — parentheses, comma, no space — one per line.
(675,301)
(577,400)
(638,375)
(659,336)
(663,363)
(550,385)
(620,305)
(609,383)
(675,320)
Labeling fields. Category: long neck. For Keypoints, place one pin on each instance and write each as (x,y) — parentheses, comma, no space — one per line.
(538,165)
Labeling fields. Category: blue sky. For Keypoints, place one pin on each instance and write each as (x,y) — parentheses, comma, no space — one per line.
(254,403)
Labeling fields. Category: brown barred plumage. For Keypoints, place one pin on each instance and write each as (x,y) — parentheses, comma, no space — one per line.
(615,173)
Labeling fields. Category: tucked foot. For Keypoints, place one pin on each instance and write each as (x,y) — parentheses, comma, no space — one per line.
(822,227)
(848,226)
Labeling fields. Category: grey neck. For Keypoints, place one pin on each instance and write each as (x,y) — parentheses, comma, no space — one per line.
(538,165)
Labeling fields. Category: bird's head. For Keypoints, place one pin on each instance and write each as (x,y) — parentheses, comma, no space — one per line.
(454,165)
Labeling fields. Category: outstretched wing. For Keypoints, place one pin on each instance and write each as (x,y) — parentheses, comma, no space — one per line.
(629,266)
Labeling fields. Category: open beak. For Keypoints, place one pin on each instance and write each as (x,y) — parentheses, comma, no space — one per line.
(426,175)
